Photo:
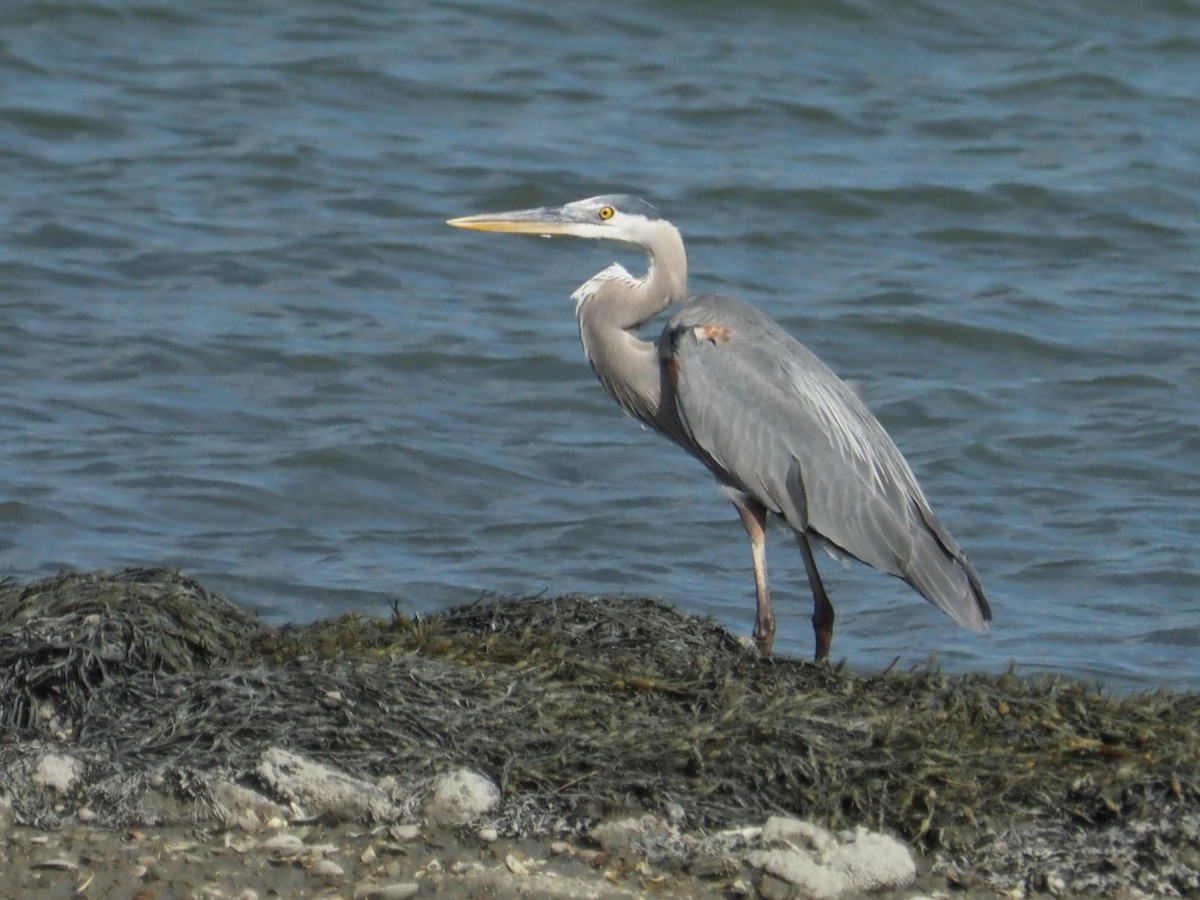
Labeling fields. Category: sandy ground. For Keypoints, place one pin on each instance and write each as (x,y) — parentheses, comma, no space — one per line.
(346,861)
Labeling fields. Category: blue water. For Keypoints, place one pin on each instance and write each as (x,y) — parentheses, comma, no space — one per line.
(236,336)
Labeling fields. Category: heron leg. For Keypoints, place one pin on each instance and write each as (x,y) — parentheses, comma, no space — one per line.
(754,517)
(822,609)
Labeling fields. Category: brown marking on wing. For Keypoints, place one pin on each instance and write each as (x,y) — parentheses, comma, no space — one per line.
(670,365)
(713,333)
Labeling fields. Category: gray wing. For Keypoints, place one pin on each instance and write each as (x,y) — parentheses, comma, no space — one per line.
(773,421)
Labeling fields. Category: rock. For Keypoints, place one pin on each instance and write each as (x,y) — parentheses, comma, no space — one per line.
(712,867)
(461,796)
(245,821)
(404,833)
(797,831)
(1056,884)
(327,868)
(521,866)
(872,861)
(772,888)
(284,845)
(57,772)
(821,866)
(638,833)
(320,790)
(810,878)
(243,807)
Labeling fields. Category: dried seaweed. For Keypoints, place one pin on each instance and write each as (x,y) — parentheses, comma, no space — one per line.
(64,638)
(579,707)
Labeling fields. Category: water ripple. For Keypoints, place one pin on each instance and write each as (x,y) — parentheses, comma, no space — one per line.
(236,336)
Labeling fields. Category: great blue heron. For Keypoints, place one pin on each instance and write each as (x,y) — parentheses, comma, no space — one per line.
(778,429)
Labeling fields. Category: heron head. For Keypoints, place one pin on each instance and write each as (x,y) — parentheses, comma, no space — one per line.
(614,217)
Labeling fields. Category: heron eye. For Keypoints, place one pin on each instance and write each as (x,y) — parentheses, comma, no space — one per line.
(607,212)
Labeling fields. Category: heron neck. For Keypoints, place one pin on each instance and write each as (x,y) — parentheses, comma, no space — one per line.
(612,306)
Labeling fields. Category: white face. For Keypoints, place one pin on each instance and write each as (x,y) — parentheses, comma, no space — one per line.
(597,218)
(603,218)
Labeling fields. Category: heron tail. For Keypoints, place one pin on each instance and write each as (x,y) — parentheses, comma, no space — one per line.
(942,574)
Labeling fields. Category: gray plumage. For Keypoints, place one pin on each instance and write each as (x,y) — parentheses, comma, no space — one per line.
(779,403)
(777,427)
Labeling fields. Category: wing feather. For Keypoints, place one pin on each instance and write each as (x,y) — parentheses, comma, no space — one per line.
(751,399)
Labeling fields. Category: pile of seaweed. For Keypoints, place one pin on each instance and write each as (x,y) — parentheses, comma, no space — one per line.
(581,707)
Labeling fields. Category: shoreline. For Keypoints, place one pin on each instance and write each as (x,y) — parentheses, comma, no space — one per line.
(582,713)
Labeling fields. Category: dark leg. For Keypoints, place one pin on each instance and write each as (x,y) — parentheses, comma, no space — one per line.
(822,609)
(754,517)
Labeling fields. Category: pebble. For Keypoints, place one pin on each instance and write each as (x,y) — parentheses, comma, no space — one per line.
(399,891)
(284,844)
(712,867)
(58,772)
(595,858)
(772,888)
(328,868)
(56,863)
(460,796)
(488,835)
(405,833)
(1056,884)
